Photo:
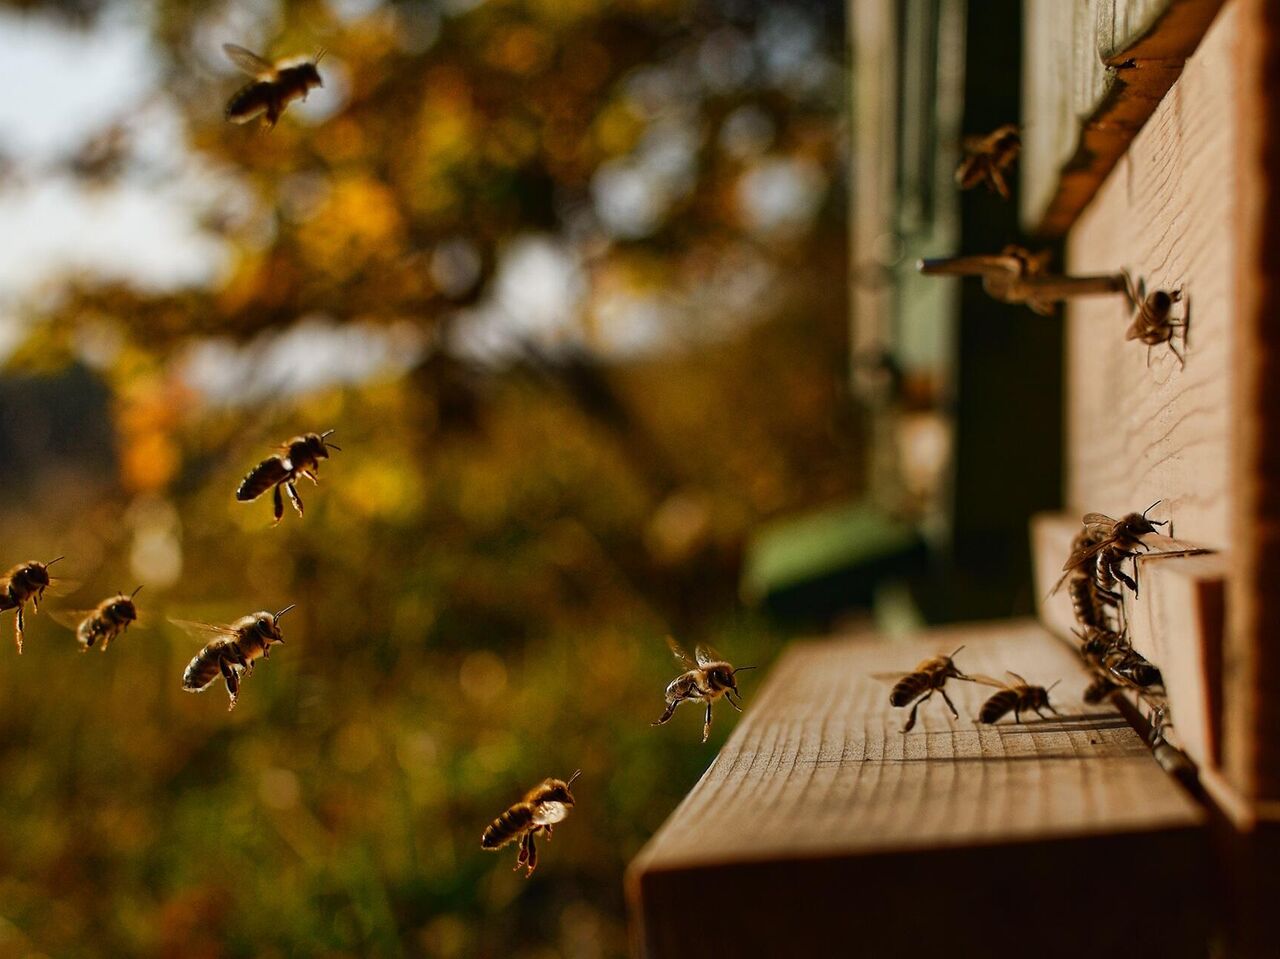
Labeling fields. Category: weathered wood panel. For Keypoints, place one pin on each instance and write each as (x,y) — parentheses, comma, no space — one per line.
(821,814)
(1094,72)
(1139,433)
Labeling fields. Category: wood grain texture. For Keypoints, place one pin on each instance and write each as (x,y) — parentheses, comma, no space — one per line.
(820,812)
(1137,433)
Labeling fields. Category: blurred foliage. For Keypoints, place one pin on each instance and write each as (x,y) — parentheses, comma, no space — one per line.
(487,571)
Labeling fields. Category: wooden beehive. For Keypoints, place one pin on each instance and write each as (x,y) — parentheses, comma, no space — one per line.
(1152,146)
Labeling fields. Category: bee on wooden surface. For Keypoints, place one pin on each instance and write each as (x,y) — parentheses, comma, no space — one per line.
(1018,696)
(988,157)
(706,680)
(100,625)
(24,583)
(300,456)
(274,85)
(230,651)
(929,677)
(1105,543)
(1153,321)
(543,806)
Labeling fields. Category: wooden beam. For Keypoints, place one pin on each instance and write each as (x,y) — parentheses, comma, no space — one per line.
(1092,83)
(858,840)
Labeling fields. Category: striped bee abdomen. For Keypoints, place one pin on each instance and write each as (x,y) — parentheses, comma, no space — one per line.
(908,688)
(249,101)
(261,478)
(507,827)
(201,671)
(998,705)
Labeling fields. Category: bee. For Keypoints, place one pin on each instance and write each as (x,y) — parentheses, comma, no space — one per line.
(300,456)
(1153,321)
(1093,606)
(23,583)
(230,650)
(1017,696)
(707,679)
(542,807)
(1132,668)
(103,623)
(1106,543)
(274,85)
(988,157)
(920,684)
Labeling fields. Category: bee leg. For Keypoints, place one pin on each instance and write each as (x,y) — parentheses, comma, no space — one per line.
(547,830)
(728,696)
(531,861)
(294,498)
(667,714)
(1182,360)
(277,504)
(232,679)
(1148,356)
(1016,717)
(950,704)
(998,183)
(911,718)
(20,626)
(706,726)
(315,480)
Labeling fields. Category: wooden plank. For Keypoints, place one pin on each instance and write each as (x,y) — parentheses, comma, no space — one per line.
(1094,72)
(1137,433)
(1252,655)
(822,815)
(1176,622)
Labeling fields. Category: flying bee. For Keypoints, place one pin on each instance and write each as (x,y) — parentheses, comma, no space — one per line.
(707,679)
(103,623)
(23,583)
(300,456)
(1153,321)
(230,650)
(543,806)
(988,157)
(1107,543)
(929,677)
(274,85)
(1017,696)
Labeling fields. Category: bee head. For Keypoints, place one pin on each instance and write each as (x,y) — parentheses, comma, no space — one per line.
(267,625)
(123,609)
(1138,524)
(952,669)
(310,74)
(37,573)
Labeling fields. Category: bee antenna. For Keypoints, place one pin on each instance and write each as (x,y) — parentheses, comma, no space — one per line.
(135,592)
(285,610)
(52,561)
(327,433)
(741,669)
(576,774)
(1055,683)
(1151,507)
(958,649)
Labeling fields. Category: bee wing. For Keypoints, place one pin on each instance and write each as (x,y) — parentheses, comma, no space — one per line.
(58,586)
(1098,519)
(1080,556)
(202,631)
(248,61)
(707,654)
(890,678)
(987,680)
(678,652)
(70,618)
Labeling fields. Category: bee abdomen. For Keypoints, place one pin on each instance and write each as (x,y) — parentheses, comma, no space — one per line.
(261,478)
(247,102)
(508,826)
(6,601)
(908,688)
(201,671)
(997,706)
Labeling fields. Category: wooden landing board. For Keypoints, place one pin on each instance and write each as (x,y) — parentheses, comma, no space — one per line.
(1176,621)
(857,840)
